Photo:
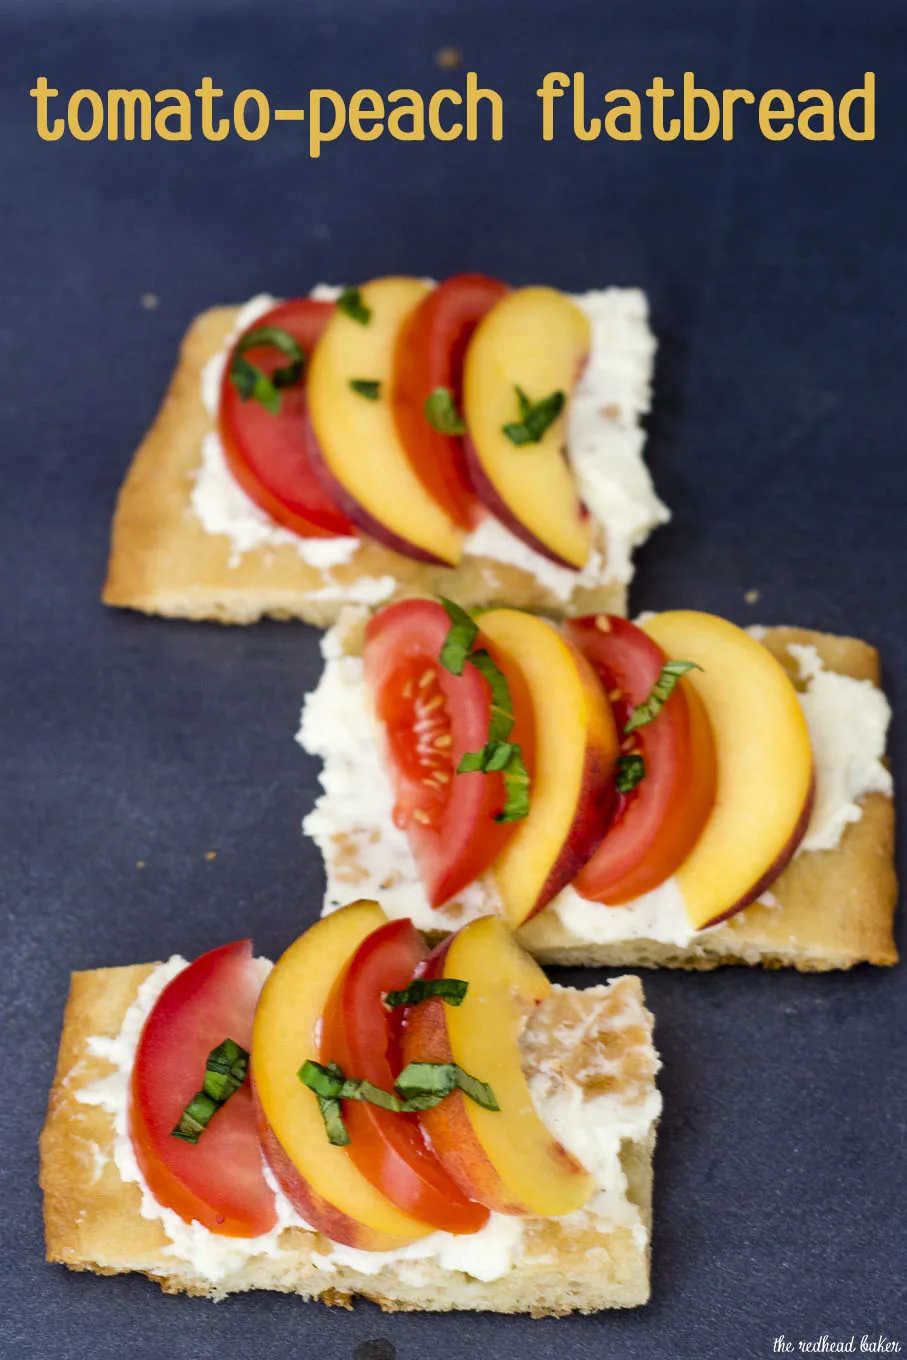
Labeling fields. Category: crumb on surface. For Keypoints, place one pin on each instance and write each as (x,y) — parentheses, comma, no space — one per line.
(140,864)
(448,57)
(753,596)
(210,854)
(149,301)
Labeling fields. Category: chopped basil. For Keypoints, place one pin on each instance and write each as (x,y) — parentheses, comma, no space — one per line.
(662,690)
(370,388)
(630,771)
(501,723)
(248,378)
(462,635)
(451,990)
(535,417)
(351,304)
(422,1086)
(498,754)
(507,757)
(440,1079)
(225,1072)
(441,412)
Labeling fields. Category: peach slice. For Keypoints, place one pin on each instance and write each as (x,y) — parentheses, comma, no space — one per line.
(764,788)
(537,340)
(570,759)
(505,1158)
(354,442)
(320,1180)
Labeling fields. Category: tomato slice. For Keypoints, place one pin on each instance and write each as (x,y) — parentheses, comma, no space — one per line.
(654,827)
(217,1181)
(362,1036)
(429,354)
(269,455)
(430,719)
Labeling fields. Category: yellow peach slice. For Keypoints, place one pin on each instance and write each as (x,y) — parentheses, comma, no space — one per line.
(319,1179)
(356,448)
(537,340)
(573,748)
(764,788)
(505,1158)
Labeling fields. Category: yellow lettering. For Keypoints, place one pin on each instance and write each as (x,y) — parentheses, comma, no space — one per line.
(129,100)
(412,109)
(769,115)
(822,106)
(868,95)
(440,97)
(473,98)
(317,134)
(658,92)
(43,93)
(728,99)
(97,115)
(629,107)
(207,94)
(593,131)
(691,96)
(553,86)
(239,115)
(359,113)
(179,105)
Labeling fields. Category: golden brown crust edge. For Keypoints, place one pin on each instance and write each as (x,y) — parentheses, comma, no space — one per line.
(93,1220)
(163,562)
(837,906)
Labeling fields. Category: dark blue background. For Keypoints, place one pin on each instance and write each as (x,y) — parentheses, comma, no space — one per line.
(777,279)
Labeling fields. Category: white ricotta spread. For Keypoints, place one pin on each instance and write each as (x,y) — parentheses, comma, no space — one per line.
(366,855)
(848,724)
(604,444)
(592,1129)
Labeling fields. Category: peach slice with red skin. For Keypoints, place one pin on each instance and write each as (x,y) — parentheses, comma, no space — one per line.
(570,758)
(764,789)
(537,340)
(319,1179)
(506,1158)
(354,444)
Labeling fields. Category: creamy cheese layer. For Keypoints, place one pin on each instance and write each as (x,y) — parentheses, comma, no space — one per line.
(605,444)
(366,855)
(593,1128)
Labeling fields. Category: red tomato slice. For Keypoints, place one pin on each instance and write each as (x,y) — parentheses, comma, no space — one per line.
(655,826)
(431,718)
(218,1181)
(269,455)
(363,1037)
(429,354)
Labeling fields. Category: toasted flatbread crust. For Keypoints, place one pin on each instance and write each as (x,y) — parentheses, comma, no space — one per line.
(93,1221)
(163,562)
(837,906)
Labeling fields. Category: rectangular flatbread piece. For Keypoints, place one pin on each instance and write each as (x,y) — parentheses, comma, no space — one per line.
(599,1041)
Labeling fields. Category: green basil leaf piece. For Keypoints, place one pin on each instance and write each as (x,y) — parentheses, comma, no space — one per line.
(351,304)
(370,388)
(463,633)
(501,723)
(439,1079)
(535,417)
(662,690)
(251,382)
(451,990)
(631,770)
(441,412)
(225,1071)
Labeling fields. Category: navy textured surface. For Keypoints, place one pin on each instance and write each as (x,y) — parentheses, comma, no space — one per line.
(777,279)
